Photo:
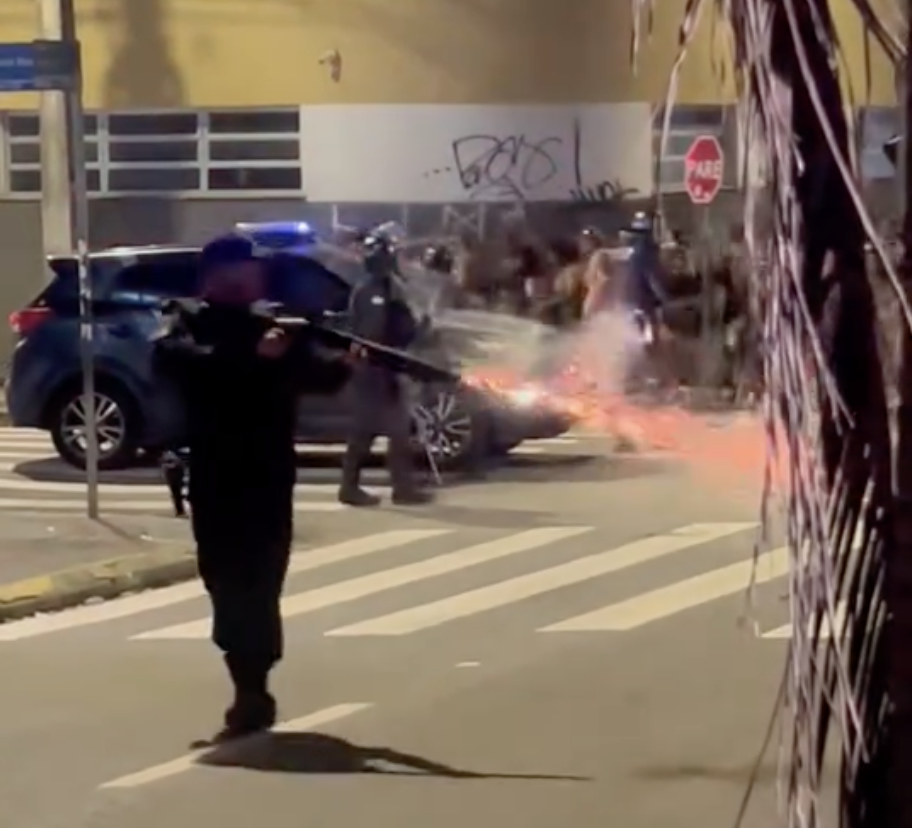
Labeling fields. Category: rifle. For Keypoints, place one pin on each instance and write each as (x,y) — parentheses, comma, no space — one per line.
(261,317)
(248,326)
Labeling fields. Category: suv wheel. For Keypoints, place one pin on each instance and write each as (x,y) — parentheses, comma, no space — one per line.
(117,424)
(448,426)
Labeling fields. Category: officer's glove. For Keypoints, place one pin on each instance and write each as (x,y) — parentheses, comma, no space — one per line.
(274,344)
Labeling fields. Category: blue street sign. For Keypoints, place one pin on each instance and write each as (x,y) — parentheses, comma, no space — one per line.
(38,66)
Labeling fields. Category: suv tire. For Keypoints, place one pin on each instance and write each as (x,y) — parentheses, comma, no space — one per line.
(120,427)
(455,424)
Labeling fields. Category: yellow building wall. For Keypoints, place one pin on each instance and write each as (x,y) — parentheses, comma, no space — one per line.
(222,53)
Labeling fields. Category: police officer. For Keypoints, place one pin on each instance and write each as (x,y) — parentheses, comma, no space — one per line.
(378,312)
(644,290)
(438,258)
(239,382)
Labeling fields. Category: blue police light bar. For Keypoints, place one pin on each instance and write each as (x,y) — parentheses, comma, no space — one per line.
(278,235)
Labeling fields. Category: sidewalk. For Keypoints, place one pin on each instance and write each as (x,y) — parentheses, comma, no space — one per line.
(49,563)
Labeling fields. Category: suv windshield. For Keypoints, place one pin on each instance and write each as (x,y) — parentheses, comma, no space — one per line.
(156,276)
(313,284)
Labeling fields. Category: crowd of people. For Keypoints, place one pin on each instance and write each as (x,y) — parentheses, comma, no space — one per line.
(668,286)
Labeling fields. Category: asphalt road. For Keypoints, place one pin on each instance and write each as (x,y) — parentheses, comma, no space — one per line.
(561,645)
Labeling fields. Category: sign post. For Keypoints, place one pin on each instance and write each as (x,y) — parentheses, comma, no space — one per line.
(704,168)
(54,66)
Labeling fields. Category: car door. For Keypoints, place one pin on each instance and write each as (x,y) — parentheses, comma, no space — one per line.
(305,286)
(135,298)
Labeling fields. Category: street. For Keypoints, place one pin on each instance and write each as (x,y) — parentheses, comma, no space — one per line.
(567,642)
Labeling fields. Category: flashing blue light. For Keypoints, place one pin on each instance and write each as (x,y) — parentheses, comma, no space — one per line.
(278,235)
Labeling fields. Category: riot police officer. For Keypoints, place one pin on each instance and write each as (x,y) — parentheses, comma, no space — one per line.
(438,258)
(380,313)
(644,293)
(239,381)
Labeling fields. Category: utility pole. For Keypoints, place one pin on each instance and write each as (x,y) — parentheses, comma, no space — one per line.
(58,22)
(65,212)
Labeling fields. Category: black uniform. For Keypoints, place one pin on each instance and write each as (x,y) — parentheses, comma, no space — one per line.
(241,411)
(379,313)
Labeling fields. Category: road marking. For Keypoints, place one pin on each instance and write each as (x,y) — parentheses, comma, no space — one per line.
(302,561)
(69,479)
(537,583)
(164,505)
(355,588)
(135,489)
(786,631)
(555,441)
(35,450)
(37,438)
(19,455)
(684,595)
(189,761)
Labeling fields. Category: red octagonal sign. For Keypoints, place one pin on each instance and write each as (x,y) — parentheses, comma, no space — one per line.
(704,165)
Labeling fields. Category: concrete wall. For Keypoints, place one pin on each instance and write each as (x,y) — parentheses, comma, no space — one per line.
(525,54)
(227,53)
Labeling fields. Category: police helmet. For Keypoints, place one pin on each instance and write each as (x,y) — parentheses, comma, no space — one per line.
(379,254)
(642,223)
(438,258)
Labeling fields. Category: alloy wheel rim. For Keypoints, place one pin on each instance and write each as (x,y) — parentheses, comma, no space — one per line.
(443,426)
(110,424)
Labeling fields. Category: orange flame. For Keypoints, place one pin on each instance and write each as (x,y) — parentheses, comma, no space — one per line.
(727,450)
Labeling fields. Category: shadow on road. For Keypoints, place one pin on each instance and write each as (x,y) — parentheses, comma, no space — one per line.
(324,468)
(484,517)
(576,468)
(316,753)
(685,772)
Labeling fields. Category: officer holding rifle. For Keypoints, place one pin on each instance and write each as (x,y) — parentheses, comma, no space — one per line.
(240,376)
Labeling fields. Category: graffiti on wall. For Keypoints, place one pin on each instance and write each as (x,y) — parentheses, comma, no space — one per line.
(519,167)
(476,154)
(495,168)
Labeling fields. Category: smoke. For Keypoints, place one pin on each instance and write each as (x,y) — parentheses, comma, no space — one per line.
(604,374)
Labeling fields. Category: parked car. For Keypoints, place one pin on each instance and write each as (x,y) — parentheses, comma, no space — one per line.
(137,412)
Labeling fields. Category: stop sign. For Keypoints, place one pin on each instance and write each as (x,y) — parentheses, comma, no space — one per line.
(704,165)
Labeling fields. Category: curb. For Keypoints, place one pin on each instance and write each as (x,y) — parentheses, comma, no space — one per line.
(101,580)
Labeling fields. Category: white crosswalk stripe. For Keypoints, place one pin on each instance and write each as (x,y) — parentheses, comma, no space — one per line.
(826,631)
(33,478)
(432,578)
(537,583)
(360,587)
(684,595)
(157,599)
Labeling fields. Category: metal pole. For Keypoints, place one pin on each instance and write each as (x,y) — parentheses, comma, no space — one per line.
(57,22)
(86,320)
(708,316)
(78,204)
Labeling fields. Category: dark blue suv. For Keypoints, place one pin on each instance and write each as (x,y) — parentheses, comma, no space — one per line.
(136,412)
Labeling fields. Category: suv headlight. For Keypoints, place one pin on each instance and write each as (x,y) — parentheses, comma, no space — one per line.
(525,397)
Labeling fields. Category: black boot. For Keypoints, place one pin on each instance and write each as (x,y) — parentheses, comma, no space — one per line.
(250,713)
(254,708)
(350,491)
(357,497)
(405,490)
